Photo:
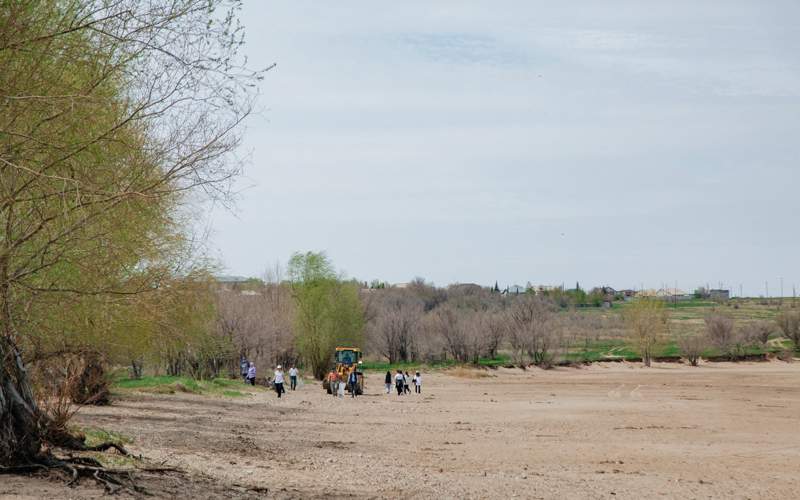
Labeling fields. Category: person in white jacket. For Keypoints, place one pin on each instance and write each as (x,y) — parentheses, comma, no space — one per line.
(251,374)
(418,383)
(279,381)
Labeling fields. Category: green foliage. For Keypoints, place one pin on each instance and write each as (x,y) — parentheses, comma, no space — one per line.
(646,322)
(96,436)
(168,384)
(328,310)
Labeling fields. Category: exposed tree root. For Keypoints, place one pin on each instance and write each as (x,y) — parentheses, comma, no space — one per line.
(77,468)
(106,447)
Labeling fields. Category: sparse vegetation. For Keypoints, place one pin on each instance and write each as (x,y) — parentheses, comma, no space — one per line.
(646,322)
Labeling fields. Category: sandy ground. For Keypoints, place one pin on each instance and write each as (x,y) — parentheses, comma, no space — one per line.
(608,430)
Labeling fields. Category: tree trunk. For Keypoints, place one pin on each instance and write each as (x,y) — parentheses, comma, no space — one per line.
(20,436)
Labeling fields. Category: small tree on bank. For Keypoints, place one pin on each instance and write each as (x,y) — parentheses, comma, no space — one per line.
(722,335)
(646,324)
(692,346)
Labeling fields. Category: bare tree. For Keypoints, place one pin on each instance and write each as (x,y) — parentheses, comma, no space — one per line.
(495,330)
(533,331)
(789,323)
(446,323)
(758,332)
(395,325)
(692,346)
(722,334)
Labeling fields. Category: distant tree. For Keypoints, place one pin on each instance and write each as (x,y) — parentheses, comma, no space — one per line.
(446,323)
(394,328)
(328,311)
(428,293)
(789,323)
(496,326)
(721,334)
(596,297)
(758,332)
(646,323)
(532,331)
(692,346)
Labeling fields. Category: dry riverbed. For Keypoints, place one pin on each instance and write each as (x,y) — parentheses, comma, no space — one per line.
(609,430)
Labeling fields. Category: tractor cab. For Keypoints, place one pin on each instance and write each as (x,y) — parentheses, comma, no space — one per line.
(348,356)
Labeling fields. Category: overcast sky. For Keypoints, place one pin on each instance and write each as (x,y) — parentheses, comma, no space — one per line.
(625,143)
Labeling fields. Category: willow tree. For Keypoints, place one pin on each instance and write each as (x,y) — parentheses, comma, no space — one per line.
(111,114)
(328,311)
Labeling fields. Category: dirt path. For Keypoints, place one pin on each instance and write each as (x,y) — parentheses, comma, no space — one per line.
(612,430)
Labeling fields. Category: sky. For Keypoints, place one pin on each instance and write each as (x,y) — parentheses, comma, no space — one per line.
(622,143)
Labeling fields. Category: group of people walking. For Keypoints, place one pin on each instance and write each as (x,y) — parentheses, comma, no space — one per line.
(338,384)
(248,371)
(401,382)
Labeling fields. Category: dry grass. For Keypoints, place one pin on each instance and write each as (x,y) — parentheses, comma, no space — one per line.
(468,372)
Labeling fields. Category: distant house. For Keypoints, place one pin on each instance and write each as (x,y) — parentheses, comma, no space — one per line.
(719,294)
(543,289)
(515,290)
(671,294)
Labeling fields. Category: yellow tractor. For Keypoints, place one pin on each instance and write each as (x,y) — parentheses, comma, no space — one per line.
(346,361)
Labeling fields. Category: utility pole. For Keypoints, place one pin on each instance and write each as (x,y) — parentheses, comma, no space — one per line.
(781,290)
(766,287)
(675,292)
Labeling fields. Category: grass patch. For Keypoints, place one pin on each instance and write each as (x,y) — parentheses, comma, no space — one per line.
(96,436)
(468,372)
(165,384)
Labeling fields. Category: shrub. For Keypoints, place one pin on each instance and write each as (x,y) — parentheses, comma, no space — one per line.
(692,347)
(721,333)
(789,323)
(757,333)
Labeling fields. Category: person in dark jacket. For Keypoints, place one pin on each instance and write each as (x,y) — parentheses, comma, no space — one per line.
(352,381)
(398,382)
(388,382)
